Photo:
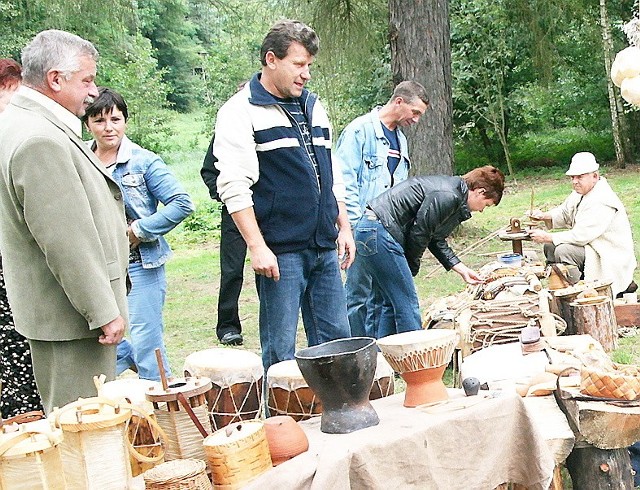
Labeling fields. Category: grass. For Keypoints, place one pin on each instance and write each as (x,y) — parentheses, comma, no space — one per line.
(193,273)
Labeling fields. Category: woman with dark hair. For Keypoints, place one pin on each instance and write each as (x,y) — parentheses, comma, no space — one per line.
(400,224)
(17,385)
(146,182)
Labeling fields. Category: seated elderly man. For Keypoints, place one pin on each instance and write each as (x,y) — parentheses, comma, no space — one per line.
(597,239)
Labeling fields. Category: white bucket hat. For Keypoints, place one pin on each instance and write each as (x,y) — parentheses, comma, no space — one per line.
(583,163)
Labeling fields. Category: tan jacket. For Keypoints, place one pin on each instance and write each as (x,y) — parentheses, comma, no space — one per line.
(599,223)
(62,228)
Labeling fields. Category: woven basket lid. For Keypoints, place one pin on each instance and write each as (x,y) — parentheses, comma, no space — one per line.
(233,433)
(173,471)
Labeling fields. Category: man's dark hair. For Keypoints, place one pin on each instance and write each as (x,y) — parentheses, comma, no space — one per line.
(409,91)
(106,100)
(283,34)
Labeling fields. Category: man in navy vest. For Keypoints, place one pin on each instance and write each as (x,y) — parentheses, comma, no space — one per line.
(285,194)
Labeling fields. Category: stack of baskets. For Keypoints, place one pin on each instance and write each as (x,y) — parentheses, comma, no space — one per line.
(621,382)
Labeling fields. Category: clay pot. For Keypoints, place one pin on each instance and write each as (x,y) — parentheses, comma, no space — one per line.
(340,373)
(424,386)
(471,386)
(285,437)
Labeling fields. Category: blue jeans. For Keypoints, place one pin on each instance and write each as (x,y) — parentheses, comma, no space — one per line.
(383,258)
(309,281)
(146,327)
(365,306)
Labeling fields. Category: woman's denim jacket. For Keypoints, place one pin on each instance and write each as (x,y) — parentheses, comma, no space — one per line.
(146,181)
(362,149)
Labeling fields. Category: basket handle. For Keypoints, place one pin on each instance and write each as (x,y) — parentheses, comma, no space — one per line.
(84,401)
(163,436)
(21,436)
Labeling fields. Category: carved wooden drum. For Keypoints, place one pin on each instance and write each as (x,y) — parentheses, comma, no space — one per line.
(383,384)
(289,393)
(236,376)
(421,358)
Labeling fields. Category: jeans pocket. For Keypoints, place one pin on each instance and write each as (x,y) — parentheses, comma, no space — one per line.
(366,241)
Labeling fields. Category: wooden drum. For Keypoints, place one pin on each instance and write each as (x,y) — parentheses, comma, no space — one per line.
(289,393)
(142,432)
(236,377)
(383,384)
(30,457)
(421,358)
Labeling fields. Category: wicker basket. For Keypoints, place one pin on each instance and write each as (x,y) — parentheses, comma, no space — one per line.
(237,454)
(622,382)
(178,474)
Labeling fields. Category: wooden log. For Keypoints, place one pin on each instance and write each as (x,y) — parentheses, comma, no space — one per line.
(556,483)
(602,424)
(597,320)
(627,315)
(592,468)
(562,298)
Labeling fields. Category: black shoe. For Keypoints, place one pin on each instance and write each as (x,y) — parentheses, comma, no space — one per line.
(631,288)
(231,338)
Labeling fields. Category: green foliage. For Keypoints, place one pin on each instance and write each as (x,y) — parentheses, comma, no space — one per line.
(352,73)
(236,28)
(557,147)
(172,35)
(535,152)
(204,224)
(133,72)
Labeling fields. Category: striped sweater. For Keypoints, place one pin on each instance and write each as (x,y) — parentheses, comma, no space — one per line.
(263,163)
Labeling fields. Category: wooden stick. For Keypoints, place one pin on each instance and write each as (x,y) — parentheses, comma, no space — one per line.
(194,418)
(490,236)
(531,205)
(163,375)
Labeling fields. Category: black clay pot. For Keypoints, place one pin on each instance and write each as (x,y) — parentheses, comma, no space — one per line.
(340,373)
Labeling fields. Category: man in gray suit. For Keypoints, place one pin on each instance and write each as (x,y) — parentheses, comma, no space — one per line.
(62,227)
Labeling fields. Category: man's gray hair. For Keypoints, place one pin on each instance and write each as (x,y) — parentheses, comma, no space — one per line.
(53,50)
(409,91)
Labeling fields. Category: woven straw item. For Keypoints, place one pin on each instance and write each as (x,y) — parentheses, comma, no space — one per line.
(622,382)
(179,474)
(237,454)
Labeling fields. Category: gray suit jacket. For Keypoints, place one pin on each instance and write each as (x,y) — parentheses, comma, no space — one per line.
(62,228)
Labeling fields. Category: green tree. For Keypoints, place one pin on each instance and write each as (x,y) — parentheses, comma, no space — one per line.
(165,23)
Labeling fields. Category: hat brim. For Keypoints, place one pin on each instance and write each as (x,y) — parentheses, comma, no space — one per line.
(582,171)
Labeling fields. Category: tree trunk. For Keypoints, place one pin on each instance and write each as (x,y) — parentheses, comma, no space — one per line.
(607,43)
(420,51)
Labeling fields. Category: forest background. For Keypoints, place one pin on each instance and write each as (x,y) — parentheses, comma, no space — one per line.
(521,84)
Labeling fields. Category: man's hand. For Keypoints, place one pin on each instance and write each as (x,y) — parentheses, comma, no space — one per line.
(264,262)
(346,248)
(113,331)
(540,236)
(538,215)
(469,275)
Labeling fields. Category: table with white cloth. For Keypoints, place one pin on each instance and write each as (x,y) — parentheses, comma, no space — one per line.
(481,446)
